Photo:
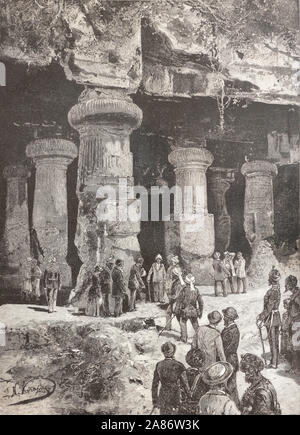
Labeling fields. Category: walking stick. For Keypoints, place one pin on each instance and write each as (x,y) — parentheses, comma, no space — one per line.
(167,324)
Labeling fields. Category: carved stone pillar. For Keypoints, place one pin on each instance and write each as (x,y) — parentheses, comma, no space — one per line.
(197,238)
(104,122)
(259,201)
(219,182)
(16,241)
(50,212)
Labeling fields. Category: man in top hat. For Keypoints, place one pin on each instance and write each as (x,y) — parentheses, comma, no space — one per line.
(158,274)
(118,286)
(208,339)
(294,319)
(135,283)
(220,273)
(270,315)
(231,338)
(188,305)
(216,401)
(260,398)
(228,263)
(195,358)
(52,283)
(170,375)
(173,287)
(105,281)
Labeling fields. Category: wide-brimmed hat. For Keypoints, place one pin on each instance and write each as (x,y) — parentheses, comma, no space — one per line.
(195,358)
(158,257)
(214,317)
(231,313)
(251,360)
(217,373)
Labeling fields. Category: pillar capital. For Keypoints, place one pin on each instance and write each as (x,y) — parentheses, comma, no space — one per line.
(191,158)
(54,148)
(259,168)
(16,171)
(114,110)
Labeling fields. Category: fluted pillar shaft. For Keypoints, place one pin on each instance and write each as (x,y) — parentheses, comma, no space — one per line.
(259,200)
(197,225)
(104,122)
(220,180)
(16,241)
(50,211)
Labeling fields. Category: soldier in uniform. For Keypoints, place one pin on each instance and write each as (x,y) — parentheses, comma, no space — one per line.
(106,284)
(52,283)
(135,283)
(118,286)
(294,319)
(271,315)
(188,305)
(260,398)
(173,287)
(170,375)
(231,338)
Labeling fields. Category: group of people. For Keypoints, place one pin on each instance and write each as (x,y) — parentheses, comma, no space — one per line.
(35,281)
(203,388)
(288,327)
(110,280)
(230,270)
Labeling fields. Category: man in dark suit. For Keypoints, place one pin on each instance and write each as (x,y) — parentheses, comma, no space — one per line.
(169,373)
(118,286)
(231,338)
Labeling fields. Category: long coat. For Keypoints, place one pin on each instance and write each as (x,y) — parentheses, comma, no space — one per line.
(231,338)
(209,340)
(118,286)
(169,374)
(271,314)
(52,279)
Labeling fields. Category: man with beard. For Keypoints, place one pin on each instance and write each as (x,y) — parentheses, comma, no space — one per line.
(231,338)
(106,284)
(294,320)
(173,287)
(270,315)
(260,398)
